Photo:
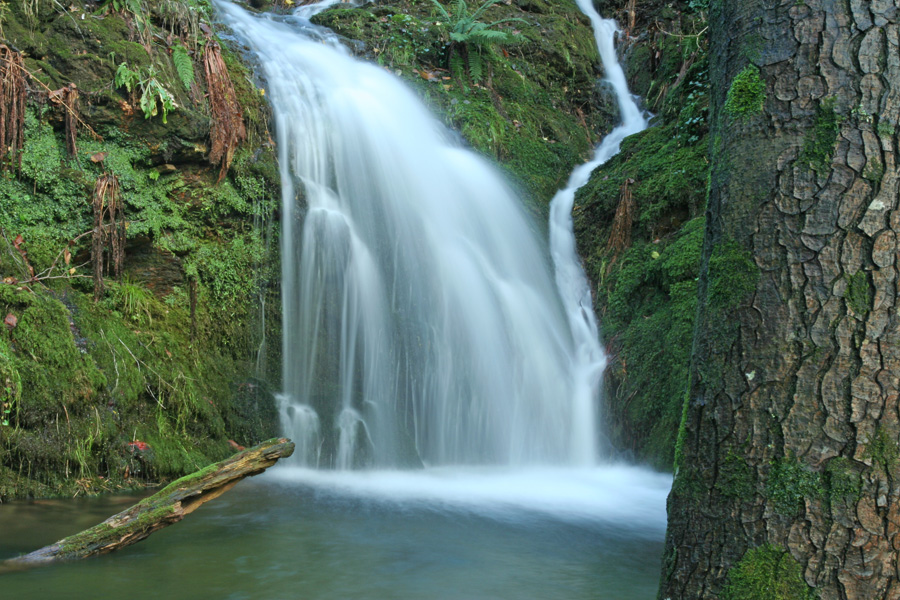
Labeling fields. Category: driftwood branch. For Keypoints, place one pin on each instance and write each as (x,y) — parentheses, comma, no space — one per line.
(168,506)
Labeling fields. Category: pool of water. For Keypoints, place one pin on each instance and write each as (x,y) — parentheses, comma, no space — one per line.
(434,534)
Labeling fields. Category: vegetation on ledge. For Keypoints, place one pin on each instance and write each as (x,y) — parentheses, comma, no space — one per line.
(167,370)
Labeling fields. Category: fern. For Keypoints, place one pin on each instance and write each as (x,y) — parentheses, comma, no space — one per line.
(127,78)
(476,65)
(183,65)
(457,65)
(469,36)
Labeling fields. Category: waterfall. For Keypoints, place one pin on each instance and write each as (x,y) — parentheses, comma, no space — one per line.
(422,323)
(589,356)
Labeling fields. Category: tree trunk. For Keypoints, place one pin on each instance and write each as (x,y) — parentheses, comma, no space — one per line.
(168,506)
(787,464)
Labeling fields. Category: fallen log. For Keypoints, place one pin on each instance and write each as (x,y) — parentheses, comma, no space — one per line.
(168,506)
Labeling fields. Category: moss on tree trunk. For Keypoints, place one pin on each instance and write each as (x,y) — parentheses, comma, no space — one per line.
(787,458)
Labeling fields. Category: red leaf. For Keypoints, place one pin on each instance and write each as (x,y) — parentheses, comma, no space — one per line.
(18,241)
(11,321)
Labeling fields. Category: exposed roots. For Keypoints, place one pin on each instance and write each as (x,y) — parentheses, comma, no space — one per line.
(109,230)
(12,108)
(227,128)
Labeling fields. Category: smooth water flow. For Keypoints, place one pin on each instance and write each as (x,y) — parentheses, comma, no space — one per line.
(590,359)
(422,324)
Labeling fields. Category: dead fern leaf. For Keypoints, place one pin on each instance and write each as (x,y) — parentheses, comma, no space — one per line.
(108,235)
(12,108)
(227,123)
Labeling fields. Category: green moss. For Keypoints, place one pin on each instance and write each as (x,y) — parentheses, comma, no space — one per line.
(767,573)
(733,275)
(883,450)
(747,94)
(859,293)
(820,139)
(678,458)
(735,480)
(790,483)
(842,480)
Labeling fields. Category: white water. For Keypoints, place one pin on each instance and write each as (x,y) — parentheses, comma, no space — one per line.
(590,358)
(421,321)
(631,498)
(421,318)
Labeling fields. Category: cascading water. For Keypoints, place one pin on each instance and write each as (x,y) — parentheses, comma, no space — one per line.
(590,359)
(421,320)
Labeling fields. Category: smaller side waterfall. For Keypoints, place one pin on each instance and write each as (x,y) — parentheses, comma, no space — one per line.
(590,358)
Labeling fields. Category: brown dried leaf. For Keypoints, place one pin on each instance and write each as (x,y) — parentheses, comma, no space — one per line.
(99,157)
(11,321)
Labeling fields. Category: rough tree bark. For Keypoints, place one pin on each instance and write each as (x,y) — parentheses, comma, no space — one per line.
(787,466)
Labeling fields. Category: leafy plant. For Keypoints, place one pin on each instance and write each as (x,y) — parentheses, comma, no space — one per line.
(133,300)
(154,95)
(133,6)
(183,65)
(469,36)
(10,387)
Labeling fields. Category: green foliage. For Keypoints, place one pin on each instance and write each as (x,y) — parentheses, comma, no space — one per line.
(154,96)
(820,139)
(885,128)
(127,78)
(133,6)
(747,94)
(4,13)
(651,303)
(465,28)
(183,65)
(469,36)
(10,386)
(132,300)
(767,573)
(698,5)
(859,293)
(80,380)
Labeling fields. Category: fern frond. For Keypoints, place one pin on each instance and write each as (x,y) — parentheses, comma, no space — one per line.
(441,9)
(457,66)
(460,10)
(510,20)
(489,36)
(484,7)
(476,65)
(184,66)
